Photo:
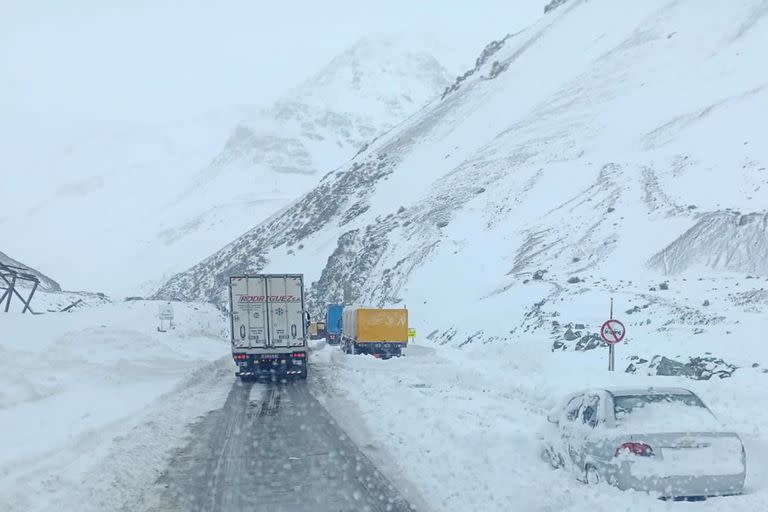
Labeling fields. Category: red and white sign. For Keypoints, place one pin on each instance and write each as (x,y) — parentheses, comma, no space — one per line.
(612,332)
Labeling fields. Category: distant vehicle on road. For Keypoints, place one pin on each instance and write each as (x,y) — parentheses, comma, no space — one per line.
(380,332)
(334,323)
(317,330)
(268,325)
(661,440)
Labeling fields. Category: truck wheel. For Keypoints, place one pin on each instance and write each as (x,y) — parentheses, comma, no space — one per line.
(303,375)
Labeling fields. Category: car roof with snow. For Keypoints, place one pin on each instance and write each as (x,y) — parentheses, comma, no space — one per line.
(628,391)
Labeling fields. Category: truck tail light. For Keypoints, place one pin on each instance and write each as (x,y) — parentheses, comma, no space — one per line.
(298,355)
(641,449)
(240,357)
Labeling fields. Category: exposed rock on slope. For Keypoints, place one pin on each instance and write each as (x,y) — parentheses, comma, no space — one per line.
(722,240)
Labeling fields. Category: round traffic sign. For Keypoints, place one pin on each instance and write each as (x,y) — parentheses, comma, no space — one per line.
(612,332)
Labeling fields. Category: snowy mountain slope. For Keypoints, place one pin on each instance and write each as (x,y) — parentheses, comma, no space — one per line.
(277,154)
(46,283)
(166,194)
(578,151)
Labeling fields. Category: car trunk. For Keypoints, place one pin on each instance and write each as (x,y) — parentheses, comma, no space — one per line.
(691,454)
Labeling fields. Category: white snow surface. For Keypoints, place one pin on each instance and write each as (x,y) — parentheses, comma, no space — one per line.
(668,417)
(92,402)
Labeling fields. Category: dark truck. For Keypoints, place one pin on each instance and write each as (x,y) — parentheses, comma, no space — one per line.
(268,325)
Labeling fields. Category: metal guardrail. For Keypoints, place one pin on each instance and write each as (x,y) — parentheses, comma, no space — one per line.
(11,275)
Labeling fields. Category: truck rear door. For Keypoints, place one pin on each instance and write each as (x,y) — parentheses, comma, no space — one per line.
(249,312)
(285,308)
(333,319)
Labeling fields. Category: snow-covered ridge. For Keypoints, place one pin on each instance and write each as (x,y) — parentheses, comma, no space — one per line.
(721,240)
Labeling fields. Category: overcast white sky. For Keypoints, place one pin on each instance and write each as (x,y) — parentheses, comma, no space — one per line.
(157,60)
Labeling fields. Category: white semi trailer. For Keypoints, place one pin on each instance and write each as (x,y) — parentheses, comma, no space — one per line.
(268,325)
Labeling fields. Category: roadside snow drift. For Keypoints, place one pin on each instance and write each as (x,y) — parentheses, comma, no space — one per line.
(464,427)
(77,390)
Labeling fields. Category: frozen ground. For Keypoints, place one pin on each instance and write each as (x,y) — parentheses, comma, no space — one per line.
(92,402)
(462,425)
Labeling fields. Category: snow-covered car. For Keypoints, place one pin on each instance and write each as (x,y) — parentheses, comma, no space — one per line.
(661,440)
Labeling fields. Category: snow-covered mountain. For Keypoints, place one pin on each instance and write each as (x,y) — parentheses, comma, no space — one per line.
(275,155)
(128,204)
(613,149)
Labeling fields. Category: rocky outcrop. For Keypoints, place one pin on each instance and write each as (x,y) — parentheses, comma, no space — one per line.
(722,240)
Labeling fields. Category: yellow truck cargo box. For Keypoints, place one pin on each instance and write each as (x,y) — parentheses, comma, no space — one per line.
(381,325)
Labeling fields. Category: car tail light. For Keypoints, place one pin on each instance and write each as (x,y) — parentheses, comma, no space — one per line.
(641,449)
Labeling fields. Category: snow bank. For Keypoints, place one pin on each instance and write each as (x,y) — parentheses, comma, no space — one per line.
(463,425)
(77,388)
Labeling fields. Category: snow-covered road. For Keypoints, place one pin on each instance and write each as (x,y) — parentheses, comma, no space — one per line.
(273,447)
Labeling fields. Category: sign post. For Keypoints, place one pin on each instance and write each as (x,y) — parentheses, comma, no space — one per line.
(165,312)
(612,332)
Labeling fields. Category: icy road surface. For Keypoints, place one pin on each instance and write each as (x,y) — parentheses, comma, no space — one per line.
(273,447)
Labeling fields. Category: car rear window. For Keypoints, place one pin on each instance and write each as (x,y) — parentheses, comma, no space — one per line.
(625,404)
